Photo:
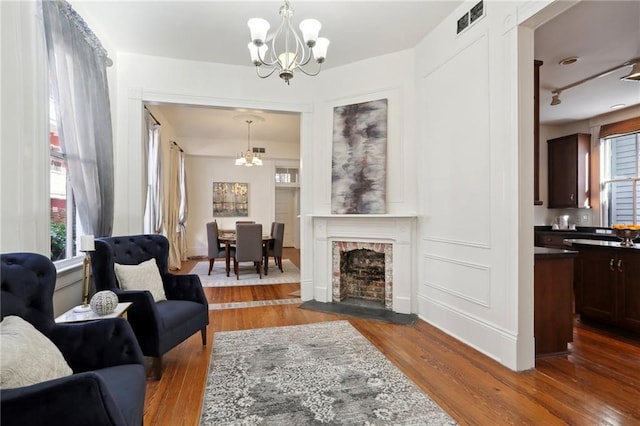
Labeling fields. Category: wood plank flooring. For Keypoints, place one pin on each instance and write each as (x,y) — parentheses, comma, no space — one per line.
(598,383)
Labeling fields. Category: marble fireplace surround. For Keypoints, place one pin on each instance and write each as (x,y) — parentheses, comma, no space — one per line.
(395,229)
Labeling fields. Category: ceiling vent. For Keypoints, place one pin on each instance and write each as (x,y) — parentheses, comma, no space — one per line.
(470,17)
(258,150)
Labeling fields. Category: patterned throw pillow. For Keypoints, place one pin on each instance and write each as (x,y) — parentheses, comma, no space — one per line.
(144,276)
(28,356)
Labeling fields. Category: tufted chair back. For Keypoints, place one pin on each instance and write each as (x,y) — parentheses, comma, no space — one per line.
(126,250)
(28,283)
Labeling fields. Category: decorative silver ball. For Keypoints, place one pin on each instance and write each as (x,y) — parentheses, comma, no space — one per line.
(104,302)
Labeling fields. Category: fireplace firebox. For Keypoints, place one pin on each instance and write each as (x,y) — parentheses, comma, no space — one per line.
(363,273)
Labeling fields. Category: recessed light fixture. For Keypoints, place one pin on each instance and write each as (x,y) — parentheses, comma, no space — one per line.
(569,61)
(618,106)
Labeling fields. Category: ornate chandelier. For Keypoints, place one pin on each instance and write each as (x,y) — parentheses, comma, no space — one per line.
(288,53)
(249,158)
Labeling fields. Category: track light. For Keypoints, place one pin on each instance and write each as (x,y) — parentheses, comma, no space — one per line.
(634,74)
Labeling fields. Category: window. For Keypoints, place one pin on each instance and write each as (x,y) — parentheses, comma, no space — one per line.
(620,179)
(62,212)
(286,175)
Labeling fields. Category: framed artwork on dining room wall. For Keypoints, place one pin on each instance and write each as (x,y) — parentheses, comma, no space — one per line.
(230,199)
(359,161)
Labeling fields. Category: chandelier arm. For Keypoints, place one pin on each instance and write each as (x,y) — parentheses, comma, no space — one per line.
(311,74)
(273,68)
(274,52)
(267,63)
(300,47)
(263,61)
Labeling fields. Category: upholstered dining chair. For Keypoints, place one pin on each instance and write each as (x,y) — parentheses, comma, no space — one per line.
(248,247)
(274,248)
(216,250)
(106,382)
(159,325)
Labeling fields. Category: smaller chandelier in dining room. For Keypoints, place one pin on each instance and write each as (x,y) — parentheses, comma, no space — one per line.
(249,158)
(288,52)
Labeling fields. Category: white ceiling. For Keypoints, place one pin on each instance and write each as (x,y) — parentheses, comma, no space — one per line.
(602,34)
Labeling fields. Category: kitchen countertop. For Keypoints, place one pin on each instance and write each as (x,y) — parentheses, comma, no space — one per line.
(602,244)
(580,232)
(546,253)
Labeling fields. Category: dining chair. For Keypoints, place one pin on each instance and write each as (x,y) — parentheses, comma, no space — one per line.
(215,249)
(275,245)
(248,247)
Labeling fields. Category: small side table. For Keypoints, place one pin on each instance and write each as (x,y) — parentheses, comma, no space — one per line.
(70,316)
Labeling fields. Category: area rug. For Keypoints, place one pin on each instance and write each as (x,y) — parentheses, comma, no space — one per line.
(248,274)
(323,373)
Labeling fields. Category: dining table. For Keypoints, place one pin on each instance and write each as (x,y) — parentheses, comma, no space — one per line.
(228,237)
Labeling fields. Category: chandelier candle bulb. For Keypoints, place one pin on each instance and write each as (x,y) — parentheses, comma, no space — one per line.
(310,29)
(320,49)
(257,53)
(259,28)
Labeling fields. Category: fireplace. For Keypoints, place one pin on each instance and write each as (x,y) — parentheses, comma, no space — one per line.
(388,235)
(362,273)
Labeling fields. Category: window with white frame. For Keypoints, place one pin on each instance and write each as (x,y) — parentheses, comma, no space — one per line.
(286,175)
(620,179)
(62,213)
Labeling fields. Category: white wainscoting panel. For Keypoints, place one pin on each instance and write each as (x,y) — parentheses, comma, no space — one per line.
(461,279)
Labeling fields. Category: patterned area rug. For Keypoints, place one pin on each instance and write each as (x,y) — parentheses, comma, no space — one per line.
(323,373)
(248,274)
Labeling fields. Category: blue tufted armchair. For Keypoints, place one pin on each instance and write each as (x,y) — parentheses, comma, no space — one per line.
(159,326)
(107,386)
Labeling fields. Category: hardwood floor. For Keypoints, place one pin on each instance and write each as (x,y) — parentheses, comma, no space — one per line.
(598,383)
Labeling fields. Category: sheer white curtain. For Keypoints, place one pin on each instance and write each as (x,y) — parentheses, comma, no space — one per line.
(153,164)
(77,71)
(177,208)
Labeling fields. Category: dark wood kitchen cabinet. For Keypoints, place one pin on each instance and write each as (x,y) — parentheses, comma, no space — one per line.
(536,132)
(553,300)
(568,168)
(609,287)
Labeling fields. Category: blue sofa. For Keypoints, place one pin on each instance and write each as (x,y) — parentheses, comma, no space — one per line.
(108,383)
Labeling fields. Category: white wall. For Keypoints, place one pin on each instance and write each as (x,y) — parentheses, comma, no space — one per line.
(475,261)
(24,155)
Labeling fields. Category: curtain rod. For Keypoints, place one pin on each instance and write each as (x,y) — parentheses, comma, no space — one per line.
(152,116)
(176,144)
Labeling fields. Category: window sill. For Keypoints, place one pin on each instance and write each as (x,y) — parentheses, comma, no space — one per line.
(68,271)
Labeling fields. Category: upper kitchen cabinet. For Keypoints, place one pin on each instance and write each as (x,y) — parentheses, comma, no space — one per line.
(569,171)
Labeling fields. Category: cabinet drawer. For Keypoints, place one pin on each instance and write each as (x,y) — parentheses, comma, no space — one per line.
(552,241)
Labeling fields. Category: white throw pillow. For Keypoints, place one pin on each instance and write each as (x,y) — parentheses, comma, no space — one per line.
(144,276)
(28,356)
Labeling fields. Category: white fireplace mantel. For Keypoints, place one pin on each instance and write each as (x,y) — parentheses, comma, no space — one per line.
(396,229)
